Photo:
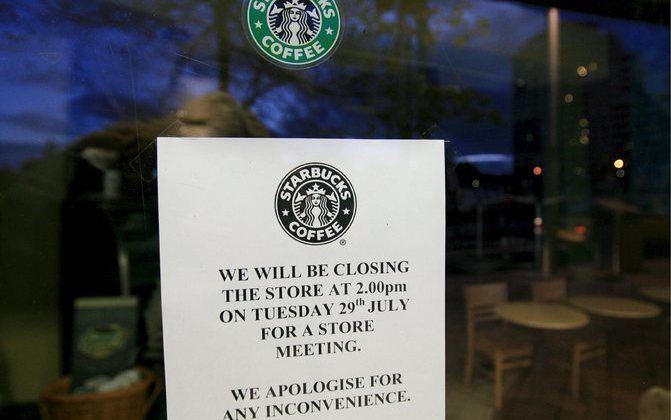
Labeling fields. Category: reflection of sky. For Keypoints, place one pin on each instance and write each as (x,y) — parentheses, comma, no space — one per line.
(61,79)
(484,64)
(492,163)
(34,81)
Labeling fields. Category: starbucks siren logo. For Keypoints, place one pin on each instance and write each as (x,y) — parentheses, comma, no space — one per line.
(293,33)
(315,204)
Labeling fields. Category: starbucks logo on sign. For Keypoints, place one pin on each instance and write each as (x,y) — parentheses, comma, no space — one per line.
(293,33)
(315,203)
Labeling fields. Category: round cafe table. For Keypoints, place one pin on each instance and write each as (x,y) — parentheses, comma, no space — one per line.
(552,318)
(658,294)
(547,316)
(618,308)
(615,307)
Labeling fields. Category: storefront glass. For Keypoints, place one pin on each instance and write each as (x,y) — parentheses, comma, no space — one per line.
(555,124)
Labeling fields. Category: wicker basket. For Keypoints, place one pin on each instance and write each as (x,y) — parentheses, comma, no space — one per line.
(132,403)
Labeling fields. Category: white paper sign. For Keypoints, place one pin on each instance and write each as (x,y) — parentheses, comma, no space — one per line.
(303,278)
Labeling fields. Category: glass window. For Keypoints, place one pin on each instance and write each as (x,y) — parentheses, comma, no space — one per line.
(555,124)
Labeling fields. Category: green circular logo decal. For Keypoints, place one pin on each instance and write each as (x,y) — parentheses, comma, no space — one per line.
(293,33)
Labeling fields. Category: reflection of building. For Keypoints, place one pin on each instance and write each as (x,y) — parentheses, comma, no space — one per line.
(649,143)
(593,111)
(603,114)
(603,135)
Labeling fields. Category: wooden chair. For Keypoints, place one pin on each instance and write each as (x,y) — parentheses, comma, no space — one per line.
(553,290)
(505,348)
(586,344)
(655,404)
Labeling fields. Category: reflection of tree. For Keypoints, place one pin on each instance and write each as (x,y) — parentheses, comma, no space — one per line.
(389,78)
(401,79)
(385,79)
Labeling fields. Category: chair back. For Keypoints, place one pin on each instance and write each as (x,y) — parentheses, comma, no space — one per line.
(480,300)
(553,290)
